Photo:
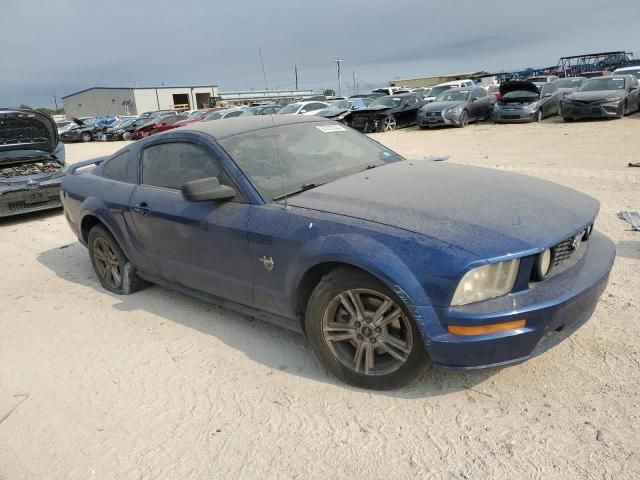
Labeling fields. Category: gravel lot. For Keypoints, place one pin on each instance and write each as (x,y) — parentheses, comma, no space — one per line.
(160,385)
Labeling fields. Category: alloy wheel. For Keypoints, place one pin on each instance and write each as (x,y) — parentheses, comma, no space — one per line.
(107,263)
(389,124)
(367,332)
(539,116)
(86,137)
(464,118)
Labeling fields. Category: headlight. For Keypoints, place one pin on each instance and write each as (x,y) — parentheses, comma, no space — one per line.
(612,99)
(487,281)
(454,110)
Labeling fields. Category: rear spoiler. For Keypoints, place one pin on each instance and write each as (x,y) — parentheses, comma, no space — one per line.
(77,166)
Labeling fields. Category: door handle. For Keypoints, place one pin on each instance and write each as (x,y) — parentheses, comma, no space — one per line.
(141,208)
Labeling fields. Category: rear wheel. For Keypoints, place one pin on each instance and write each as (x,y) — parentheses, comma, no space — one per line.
(362,332)
(126,136)
(114,270)
(539,115)
(86,137)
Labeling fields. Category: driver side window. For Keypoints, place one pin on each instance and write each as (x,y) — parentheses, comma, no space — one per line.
(170,165)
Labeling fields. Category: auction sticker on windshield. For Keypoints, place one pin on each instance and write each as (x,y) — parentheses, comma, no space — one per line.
(331,128)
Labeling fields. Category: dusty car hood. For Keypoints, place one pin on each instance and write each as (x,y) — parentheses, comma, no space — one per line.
(518,85)
(332,112)
(27,130)
(374,109)
(596,95)
(440,106)
(484,211)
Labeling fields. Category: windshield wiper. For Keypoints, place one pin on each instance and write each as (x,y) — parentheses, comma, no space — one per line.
(303,188)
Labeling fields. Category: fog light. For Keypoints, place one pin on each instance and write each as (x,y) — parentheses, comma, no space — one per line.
(485,329)
(542,265)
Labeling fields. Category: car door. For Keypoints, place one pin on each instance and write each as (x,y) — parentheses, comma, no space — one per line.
(200,245)
(408,112)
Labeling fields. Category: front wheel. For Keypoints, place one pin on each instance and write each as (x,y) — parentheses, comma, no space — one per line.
(126,136)
(464,119)
(539,115)
(388,124)
(86,137)
(362,332)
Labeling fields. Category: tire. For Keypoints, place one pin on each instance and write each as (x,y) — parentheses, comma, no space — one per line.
(126,136)
(464,119)
(388,124)
(86,137)
(107,256)
(350,344)
(539,115)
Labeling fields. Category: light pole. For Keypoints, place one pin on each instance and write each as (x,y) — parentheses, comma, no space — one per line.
(355,85)
(295,70)
(339,64)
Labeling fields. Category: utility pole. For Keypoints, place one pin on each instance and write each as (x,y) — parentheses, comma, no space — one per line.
(355,85)
(295,69)
(339,64)
(55,100)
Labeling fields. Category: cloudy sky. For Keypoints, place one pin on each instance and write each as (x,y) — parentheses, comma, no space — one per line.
(58,47)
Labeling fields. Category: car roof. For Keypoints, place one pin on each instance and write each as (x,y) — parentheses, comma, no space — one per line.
(228,127)
(453,82)
(627,69)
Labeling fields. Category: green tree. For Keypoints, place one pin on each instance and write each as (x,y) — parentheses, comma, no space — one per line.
(329,92)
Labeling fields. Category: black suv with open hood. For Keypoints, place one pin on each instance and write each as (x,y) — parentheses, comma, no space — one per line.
(32,162)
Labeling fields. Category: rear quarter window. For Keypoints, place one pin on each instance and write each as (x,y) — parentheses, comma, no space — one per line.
(117,168)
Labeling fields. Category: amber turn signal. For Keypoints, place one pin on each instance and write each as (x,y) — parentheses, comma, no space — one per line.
(486,329)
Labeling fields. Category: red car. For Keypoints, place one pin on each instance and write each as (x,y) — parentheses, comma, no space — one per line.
(159,125)
(495,91)
(195,117)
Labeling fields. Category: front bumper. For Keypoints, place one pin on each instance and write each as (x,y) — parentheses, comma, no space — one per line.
(438,119)
(573,110)
(21,199)
(513,116)
(364,123)
(553,310)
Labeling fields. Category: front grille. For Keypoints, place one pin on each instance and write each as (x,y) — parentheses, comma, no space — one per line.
(510,117)
(16,201)
(563,251)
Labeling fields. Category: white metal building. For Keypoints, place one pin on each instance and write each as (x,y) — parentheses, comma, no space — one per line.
(106,101)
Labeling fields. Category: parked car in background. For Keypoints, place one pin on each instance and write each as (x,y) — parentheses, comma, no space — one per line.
(118,130)
(367,95)
(569,84)
(524,101)
(443,87)
(32,162)
(390,90)
(195,117)
(303,108)
(160,124)
(387,265)
(386,113)
(222,114)
(422,92)
(458,107)
(596,73)
(339,109)
(127,130)
(494,90)
(268,109)
(80,131)
(635,71)
(604,97)
(543,79)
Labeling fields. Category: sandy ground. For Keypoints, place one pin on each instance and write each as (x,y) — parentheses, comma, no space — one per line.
(159,385)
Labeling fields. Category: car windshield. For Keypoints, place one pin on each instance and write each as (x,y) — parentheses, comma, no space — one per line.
(454,96)
(307,154)
(291,108)
(215,115)
(198,114)
(435,91)
(569,82)
(602,83)
(386,102)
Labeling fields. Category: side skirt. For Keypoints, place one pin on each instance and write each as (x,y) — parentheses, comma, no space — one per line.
(293,325)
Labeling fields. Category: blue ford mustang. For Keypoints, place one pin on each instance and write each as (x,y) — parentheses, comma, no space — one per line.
(385,264)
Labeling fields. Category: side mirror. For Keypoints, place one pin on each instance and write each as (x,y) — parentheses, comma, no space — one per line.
(475,99)
(206,189)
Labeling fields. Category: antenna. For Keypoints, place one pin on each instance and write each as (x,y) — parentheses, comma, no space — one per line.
(275,134)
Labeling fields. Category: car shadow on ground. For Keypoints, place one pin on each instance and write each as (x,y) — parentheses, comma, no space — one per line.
(29,217)
(260,341)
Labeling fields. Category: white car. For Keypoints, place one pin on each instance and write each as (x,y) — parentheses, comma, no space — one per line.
(303,108)
(635,71)
(443,87)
